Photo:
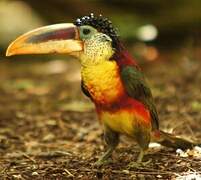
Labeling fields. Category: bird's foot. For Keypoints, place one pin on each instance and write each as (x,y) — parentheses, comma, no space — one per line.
(139,165)
(102,162)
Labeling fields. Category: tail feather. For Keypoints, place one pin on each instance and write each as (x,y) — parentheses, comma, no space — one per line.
(170,140)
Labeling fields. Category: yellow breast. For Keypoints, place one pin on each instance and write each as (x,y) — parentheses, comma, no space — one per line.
(120,121)
(103,81)
(125,122)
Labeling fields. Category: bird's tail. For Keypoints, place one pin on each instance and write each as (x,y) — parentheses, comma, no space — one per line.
(170,140)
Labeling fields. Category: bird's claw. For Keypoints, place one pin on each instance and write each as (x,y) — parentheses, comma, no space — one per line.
(139,165)
(102,162)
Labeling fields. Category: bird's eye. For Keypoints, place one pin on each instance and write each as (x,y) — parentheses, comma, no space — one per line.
(86,31)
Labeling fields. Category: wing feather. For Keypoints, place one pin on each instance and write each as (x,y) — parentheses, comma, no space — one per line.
(137,88)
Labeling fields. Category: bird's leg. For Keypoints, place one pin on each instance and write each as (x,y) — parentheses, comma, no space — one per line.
(104,158)
(143,139)
(140,163)
(112,140)
(140,156)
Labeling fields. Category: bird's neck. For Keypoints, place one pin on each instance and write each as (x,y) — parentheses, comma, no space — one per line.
(123,57)
(95,53)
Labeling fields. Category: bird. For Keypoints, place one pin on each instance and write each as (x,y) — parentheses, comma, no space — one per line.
(110,77)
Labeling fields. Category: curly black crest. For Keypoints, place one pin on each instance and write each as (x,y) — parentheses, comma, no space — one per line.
(101,24)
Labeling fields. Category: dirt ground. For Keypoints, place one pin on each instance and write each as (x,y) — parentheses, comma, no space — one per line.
(49,130)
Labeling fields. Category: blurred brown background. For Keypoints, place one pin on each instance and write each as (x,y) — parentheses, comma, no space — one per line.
(164,24)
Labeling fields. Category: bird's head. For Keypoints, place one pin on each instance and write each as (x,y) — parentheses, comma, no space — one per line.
(91,39)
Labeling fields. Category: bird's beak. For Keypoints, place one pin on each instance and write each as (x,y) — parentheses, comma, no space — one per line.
(58,38)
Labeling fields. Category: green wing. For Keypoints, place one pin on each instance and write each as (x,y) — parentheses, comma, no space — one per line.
(136,87)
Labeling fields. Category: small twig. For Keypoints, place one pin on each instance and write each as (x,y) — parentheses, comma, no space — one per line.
(147,172)
(189,128)
(3,170)
(49,154)
(52,154)
(28,157)
(153,172)
(180,158)
(68,172)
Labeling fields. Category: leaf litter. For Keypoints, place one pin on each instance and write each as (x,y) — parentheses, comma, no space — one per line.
(49,130)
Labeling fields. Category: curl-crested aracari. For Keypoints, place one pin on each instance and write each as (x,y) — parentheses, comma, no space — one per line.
(110,78)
